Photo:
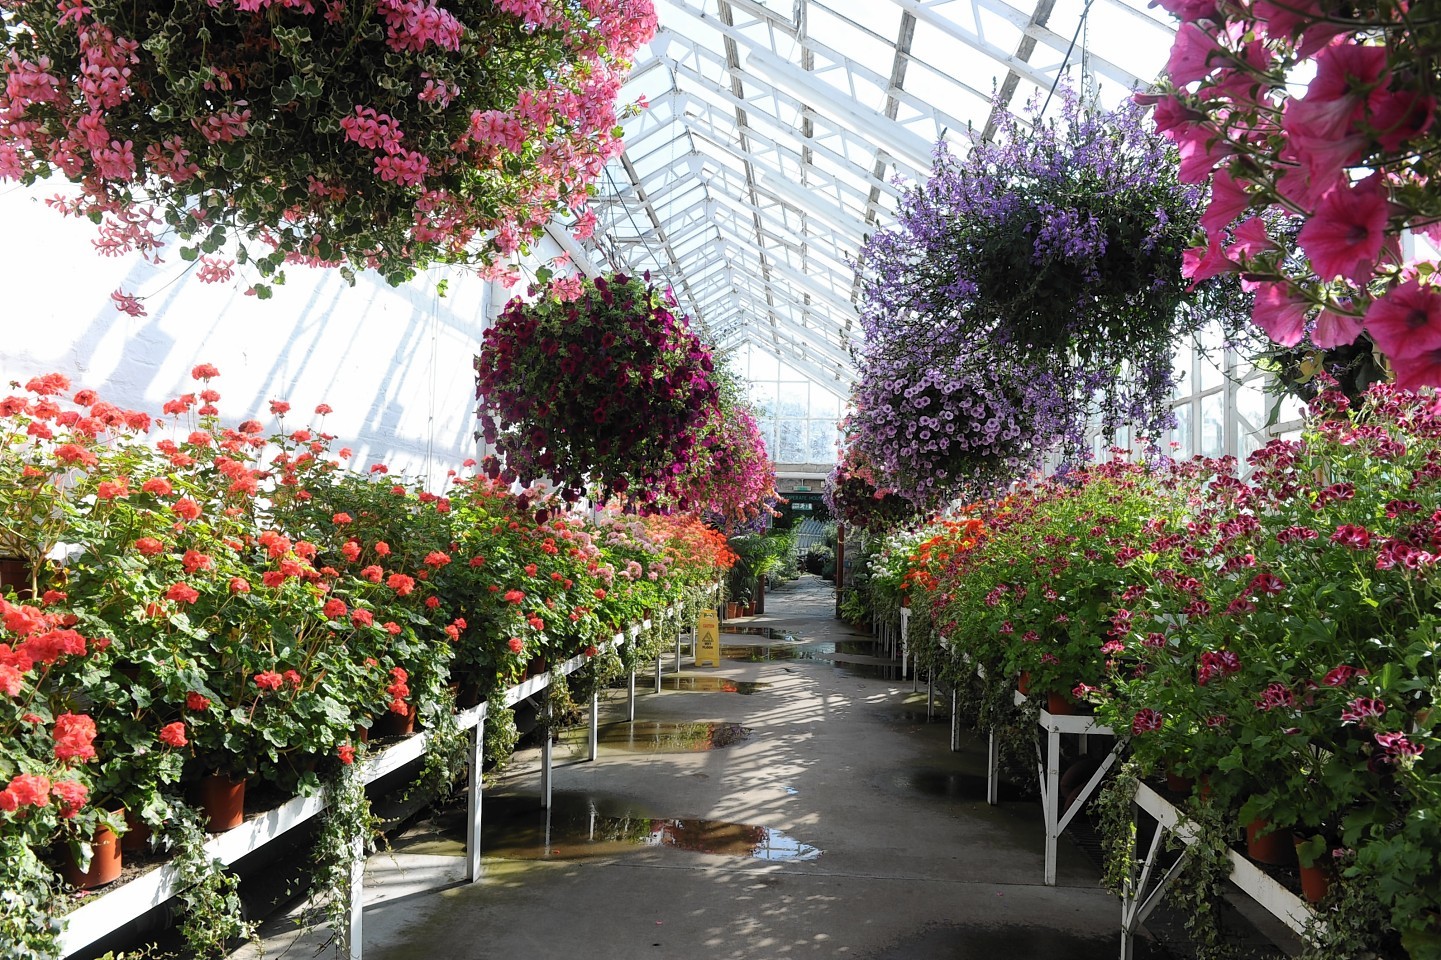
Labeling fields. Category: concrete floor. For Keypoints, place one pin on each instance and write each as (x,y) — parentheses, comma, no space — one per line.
(912,862)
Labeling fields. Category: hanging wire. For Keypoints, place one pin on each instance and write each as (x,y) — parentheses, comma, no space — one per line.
(661,263)
(1066,61)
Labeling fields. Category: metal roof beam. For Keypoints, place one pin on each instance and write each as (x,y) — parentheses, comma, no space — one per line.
(1027,46)
(810,45)
(774,123)
(835,382)
(1021,20)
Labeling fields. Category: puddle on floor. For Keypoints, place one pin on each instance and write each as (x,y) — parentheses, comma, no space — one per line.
(680,681)
(579,826)
(657,736)
(983,941)
(938,783)
(952,785)
(919,716)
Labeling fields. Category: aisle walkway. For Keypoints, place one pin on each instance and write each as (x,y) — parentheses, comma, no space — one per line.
(843,827)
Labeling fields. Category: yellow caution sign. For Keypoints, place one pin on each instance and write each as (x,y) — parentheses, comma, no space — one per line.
(707,633)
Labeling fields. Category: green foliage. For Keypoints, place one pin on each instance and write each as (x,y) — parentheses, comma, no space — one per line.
(214,915)
(347,833)
(817,557)
(501,734)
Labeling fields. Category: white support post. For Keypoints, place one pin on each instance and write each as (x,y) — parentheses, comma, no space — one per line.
(905,658)
(357,895)
(677,651)
(594,725)
(657,674)
(955,720)
(930,692)
(472,824)
(547,759)
(993,769)
(1051,801)
(630,699)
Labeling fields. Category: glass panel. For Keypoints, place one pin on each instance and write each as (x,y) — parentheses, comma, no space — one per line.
(763,366)
(1252,405)
(1211,357)
(794,399)
(1181,368)
(1250,443)
(1292,409)
(825,404)
(763,396)
(1213,425)
(822,443)
(791,445)
(1181,436)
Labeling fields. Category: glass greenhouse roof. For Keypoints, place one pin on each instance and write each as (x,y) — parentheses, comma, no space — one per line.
(777,130)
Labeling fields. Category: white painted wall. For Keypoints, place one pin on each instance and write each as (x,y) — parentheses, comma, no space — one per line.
(394,363)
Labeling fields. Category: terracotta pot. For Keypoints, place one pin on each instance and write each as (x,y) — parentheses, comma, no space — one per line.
(137,834)
(392,724)
(1315,879)
(733,610)
(16,575)
(104,864)
(1059,704)
(1275,847)
(1023,683)
(361,735)
(1179,785)
(223,801)
(469,695)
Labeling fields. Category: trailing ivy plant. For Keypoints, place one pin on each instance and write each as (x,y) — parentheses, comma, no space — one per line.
(447,749)
(1198,889)
(1116,824)
(214,915)
(501,734)
(348,820)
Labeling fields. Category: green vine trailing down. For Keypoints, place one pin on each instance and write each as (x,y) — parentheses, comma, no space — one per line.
(1116,824)
(501,734)
(447,750)
(214,915)
(1349,922)
(348,820)
(1196,891)
(1201,884)
(27,925)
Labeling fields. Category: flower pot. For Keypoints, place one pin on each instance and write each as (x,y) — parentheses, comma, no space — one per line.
(1315,879)
(1275,847)
(222,800)
(1023,683)
(468,695)
(15,574)
(1179,785)
(137,834)
(1059,704)
(733,610)
(105,862)
(392,724)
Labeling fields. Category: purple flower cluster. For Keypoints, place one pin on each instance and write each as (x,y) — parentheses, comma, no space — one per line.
(941,429)
(1027,289)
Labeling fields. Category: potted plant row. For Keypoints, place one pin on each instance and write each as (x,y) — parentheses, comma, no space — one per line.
(215,604)
(1267,636)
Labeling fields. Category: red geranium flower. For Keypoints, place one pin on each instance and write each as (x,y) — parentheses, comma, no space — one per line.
(173,734)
